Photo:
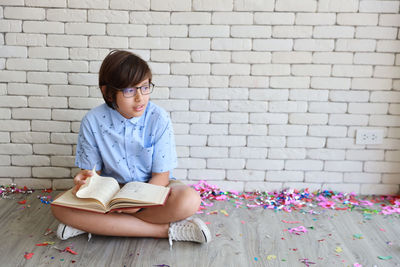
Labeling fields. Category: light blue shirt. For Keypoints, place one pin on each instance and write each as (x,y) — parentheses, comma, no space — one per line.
(126,149)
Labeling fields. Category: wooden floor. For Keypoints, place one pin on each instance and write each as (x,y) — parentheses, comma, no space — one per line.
(243,238)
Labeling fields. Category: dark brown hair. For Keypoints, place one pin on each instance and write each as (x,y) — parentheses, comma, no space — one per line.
(119,70)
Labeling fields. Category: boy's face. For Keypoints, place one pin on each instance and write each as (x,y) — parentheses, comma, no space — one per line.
(133,106)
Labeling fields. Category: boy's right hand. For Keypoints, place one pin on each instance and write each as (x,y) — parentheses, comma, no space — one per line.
(80,179)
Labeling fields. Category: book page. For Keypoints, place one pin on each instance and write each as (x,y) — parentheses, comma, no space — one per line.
(139,192)
(99,188)
(68,199)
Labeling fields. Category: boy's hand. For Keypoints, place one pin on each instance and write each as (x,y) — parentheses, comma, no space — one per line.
(80,178)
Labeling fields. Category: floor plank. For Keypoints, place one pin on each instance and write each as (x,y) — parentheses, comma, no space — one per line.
(246,237)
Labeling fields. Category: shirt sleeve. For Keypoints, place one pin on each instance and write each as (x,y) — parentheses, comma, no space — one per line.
(164,154)
(87,151)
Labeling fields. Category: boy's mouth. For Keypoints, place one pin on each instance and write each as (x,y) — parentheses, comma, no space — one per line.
(138,108)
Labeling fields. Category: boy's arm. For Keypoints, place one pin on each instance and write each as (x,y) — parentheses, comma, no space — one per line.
(159,178)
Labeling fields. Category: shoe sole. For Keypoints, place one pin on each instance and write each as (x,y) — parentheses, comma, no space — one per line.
(203,228)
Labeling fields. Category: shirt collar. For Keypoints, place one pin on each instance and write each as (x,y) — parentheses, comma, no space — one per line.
(119,121)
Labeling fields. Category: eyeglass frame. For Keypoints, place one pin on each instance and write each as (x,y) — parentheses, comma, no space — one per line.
(151,86)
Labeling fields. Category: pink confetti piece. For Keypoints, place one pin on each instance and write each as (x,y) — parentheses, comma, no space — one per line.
(383,230)
(28,256)
(297,230)
(207,222)
(243,222)
(290,221)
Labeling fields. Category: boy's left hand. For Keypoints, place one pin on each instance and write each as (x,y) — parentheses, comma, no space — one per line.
(129,211)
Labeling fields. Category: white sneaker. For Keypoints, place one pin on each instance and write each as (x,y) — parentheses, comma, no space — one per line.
(65,231)
(194,230)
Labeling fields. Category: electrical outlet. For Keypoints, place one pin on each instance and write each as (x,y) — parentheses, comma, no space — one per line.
(369,136)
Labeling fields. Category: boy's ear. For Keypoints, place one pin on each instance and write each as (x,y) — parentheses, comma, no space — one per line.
(103,89)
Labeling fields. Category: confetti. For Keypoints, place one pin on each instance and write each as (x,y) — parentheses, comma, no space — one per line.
(298,230)
(338,249)
(290,221)
(271,257)
(357,265)
(357,236)
(22,201)
(384,257)
(68,249)
(28,256)
(45,244)
(306,262)
(224,212)
(255,258)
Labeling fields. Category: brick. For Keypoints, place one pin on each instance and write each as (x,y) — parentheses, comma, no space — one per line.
(292,31)
(150,17)
(379,189)
(338,6)
(31,113)
(209,129)
(251,57)
(150,43)
(31,160)
(63,161)
(210,5)
(390,178)
(209,152)
(83,79)
(315,19)
(379,6)
(189,93)
(48,52)
(33,183)
(108,16)
(30,137)
(229,141)
(66,15)
(323,177)
(12,76)
(313,45)
(285,176)
(13,101)
(208,81)
(27,89)
(229,117)
(296,6)
(208,105)
(247,129)
(246,175)
(26,64)
(12,2)
(232,18)
(388,46)
(67,40)
(86,28)
(256,5)
(249,81)
(170,5)
(368,108)
(266,141)
(287,153)
(190,68)
(210,56)
(311,70)
(352,71)
(387,167)
(108,42)
(304,165)
(225,163)
(67,115)
(384,120)
(49,102)
(287,106)
(331,83)
(287,130)
(389,20)
(274,18)
(190,18)
(326,154)
(270,69)
(327,131)
(323,107)
(309,95)
(192,163)
(24,13)
(273,118)
(16,149)
(173,105)
(52,149)
(273,45)
(342,143)
(247,106)
(346,187)
(291,57)
(11,171)
(204,174)
(170,56)
(64,138)
(4,160)
(190,117)
(357,19)
(351,96)
(43,27)
(208,31)
(333,32)
(127,30)
(230,69)
(50,172)
(333,57)
(230,44)
(355,45)
(248,152)
(305,141)
(130,4)
(386,72)
(376,32)
(171,80)
(348,119)
(365,155)
(25,39)
(262,186)
(374,58)
(229,93)
(308,118)
(50,126)
(289,82)
(265,164)
(88,4)
(10,25)
(191,140)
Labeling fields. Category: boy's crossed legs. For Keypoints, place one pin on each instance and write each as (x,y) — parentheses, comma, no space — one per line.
(160,222)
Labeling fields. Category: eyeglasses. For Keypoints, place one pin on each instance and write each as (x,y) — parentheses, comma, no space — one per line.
(132,91)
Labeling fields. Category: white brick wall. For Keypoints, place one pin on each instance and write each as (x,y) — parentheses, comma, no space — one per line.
(263,94)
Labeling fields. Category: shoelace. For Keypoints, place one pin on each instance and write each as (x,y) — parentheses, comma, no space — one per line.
(176,227)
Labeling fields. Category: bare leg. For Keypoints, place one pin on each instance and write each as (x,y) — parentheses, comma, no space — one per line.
(182,203)
(150,222)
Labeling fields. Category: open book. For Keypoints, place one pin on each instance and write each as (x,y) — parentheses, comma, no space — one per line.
(103,194)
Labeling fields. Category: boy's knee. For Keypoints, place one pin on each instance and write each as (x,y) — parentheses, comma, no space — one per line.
(188,200)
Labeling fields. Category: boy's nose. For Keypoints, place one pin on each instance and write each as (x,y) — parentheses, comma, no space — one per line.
(138,96)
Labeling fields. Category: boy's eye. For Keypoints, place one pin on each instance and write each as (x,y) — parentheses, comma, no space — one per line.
(130,90)
(145,88)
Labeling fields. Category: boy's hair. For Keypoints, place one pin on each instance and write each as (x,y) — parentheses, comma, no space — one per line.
(120,70)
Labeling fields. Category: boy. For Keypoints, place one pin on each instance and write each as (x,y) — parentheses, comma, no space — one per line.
(131,139)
